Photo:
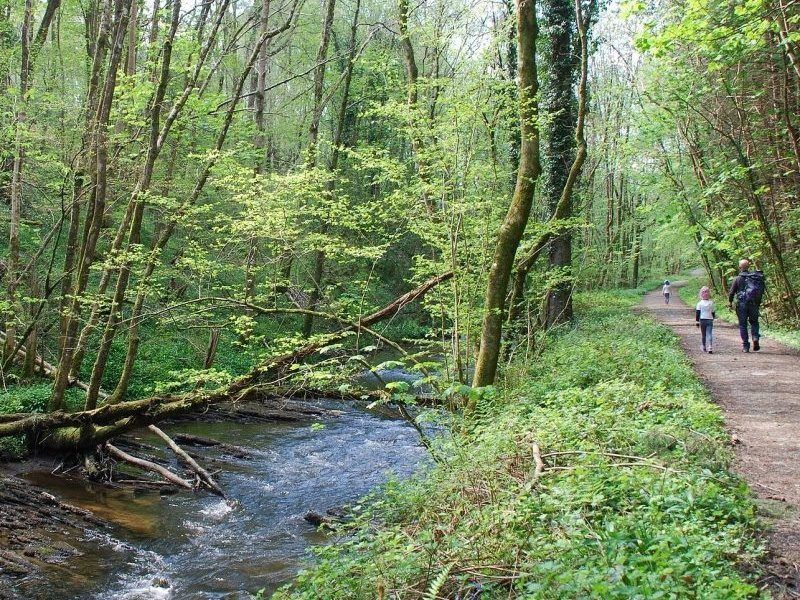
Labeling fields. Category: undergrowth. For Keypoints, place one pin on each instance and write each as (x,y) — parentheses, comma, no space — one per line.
(29,398)
(635,500)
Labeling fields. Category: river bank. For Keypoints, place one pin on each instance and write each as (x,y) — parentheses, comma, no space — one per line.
(599,469)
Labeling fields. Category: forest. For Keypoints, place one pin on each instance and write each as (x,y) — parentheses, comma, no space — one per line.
(230,228)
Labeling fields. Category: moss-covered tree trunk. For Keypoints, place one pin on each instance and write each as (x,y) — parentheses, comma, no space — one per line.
(516,219)
(559,147)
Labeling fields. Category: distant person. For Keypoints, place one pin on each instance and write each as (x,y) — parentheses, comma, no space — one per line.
(747,290)
(665,291)
(704,315)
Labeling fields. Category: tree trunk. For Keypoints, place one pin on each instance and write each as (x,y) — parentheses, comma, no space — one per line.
(333,163)
(13,273)
(559,105)
(259,142)
(99,165)
(319,81)
(412,78)
(562,209)
(135,212)
(130,62)
(516,219)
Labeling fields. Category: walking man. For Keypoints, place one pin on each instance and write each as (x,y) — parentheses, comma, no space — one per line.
(747,290)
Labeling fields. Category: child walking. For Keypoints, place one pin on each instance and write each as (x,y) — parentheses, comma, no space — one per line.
(704,315)
(665,291)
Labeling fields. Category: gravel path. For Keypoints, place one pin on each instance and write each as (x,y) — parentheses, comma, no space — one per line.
(760,395)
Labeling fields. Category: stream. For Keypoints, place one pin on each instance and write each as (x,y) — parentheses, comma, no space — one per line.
(197,546)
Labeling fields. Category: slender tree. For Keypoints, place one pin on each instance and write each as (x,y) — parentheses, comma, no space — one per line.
(519,210)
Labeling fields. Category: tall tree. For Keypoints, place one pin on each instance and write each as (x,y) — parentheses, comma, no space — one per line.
(333,165)
(519,210)
(29,49)
(559,147)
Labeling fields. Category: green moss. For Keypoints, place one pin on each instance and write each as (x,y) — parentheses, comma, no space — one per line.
(636,500)
(29,398)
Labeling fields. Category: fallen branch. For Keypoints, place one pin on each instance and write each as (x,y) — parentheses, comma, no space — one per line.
(640,463)
(537,459)
(596,453)
(144,483)
(146,465)
(204,476)
(196,440)
(81,430)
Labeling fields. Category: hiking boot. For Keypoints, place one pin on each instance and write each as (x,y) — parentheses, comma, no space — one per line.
(711,352)
(756,346)
(746,348)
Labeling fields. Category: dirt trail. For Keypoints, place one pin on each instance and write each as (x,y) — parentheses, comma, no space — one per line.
(760,395)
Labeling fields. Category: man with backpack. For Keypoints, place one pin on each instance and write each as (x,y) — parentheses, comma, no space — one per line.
(748,290)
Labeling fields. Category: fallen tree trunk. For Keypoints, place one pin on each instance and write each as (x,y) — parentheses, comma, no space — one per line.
(59,431)
(197,440)
(146,465)
(205,476)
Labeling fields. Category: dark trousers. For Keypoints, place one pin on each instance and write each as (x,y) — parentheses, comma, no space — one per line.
(707,332)
(747,313)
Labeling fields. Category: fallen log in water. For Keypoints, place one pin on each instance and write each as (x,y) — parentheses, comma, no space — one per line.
(147,465)
(230,449)
(204,475)
(60,431)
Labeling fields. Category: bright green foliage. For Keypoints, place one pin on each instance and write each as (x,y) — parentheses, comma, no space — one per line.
(662,519)
(720,91)
(28,398)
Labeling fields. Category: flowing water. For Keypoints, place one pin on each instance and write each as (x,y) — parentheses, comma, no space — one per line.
(198,546)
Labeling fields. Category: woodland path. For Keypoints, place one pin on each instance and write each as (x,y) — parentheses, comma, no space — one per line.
(759,393)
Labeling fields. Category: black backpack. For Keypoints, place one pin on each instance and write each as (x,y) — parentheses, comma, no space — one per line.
(751,287)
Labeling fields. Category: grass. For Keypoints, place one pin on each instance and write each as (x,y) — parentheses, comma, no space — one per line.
(636,500)
(788,336)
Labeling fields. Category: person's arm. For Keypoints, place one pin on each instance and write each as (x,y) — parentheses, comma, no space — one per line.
(733,290)
(697,314)
(713,311)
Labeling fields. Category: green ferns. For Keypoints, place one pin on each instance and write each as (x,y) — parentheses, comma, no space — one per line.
(635,500)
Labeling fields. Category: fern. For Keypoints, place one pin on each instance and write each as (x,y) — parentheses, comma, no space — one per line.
(432,593)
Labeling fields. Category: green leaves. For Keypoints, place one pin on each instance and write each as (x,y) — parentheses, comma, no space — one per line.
(188,379)
(630,504)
